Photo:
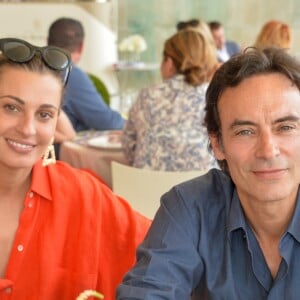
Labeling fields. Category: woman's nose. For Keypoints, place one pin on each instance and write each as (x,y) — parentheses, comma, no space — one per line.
(27,126)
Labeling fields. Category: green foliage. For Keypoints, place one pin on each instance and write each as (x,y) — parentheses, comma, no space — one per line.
(101,88)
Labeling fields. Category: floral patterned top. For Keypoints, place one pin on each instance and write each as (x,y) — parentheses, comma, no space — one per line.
(164,129)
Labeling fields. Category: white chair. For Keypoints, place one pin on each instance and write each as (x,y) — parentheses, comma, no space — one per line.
(142,188)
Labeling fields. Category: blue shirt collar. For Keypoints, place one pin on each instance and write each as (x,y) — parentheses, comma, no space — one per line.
(294,227)
(236,219)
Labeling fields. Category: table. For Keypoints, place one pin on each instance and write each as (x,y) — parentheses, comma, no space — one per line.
(80,155)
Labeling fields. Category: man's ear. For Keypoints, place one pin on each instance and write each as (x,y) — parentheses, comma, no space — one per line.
(217,147)
(81,47)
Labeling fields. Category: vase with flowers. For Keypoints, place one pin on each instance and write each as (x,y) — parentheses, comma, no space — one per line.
(133,46)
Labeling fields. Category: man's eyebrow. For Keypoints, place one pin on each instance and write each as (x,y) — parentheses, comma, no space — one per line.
(238,122)
(22,102)
(287,118)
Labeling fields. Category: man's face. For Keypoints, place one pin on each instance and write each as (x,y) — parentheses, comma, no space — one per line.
(260,138)
(219,37)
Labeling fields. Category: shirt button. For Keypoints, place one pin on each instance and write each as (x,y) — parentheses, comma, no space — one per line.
(30,204)
(31,194)
(20,248)
(8,290)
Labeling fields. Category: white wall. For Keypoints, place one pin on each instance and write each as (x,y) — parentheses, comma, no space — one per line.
(30,21)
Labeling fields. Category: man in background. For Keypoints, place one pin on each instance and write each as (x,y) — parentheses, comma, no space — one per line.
(82,103)
(225,49)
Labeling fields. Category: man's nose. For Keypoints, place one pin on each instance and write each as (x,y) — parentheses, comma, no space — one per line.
(267,146)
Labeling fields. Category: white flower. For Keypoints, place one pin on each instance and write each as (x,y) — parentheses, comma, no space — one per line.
(133,43)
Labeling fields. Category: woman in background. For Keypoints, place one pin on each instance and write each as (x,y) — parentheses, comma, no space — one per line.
(164,129)
(274,34)
(197,25)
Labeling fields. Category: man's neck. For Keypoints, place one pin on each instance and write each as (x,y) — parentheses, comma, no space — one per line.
(269,220)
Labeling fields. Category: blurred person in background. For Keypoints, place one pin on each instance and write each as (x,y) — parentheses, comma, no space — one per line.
(198,26)
(275,33)
(164,130)
(225,48)
(82,103)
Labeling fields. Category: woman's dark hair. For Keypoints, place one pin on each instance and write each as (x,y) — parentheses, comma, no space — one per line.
(36,64)
(240,67)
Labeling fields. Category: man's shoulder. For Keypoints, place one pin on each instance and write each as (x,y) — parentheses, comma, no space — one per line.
(232,47)
(77,74)
(214,187)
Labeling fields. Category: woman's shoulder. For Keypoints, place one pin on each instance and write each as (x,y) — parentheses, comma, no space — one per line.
(64,170)
(73,181)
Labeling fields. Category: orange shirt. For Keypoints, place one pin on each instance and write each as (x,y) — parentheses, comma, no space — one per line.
(74,234)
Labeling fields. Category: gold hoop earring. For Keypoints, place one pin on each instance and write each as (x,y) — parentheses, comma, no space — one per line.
(49,157)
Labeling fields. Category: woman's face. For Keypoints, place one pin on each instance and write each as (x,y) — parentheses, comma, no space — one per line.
(29,106)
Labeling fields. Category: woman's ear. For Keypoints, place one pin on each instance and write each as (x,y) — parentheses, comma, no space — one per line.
(168,69)
(217,146)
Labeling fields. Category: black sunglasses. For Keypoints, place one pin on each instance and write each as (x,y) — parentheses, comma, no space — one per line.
(184,24)
(20,51)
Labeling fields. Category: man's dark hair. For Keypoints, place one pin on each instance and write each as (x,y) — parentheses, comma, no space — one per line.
(66,33)
(214,25)
(250,63)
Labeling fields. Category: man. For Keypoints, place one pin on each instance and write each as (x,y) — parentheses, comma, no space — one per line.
(225,49)
(82,103)
(234,234)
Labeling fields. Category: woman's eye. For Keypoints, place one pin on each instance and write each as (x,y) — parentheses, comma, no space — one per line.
(10,107)
(45,115)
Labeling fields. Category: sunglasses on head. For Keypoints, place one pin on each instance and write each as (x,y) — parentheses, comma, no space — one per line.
(184,24)
(20,51)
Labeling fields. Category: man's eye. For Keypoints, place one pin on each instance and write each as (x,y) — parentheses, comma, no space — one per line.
(244,132)
(286,128)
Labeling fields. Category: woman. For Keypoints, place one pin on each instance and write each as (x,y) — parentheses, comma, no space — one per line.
(61,230)
(197,25)
(164,130)
(274,34)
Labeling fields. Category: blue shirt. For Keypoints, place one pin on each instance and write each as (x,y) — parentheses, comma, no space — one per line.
(85,107)
(200,244)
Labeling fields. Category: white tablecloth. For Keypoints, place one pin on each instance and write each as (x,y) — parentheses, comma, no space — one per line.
(80,155)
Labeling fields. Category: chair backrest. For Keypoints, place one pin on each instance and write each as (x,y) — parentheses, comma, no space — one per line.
(142,188)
